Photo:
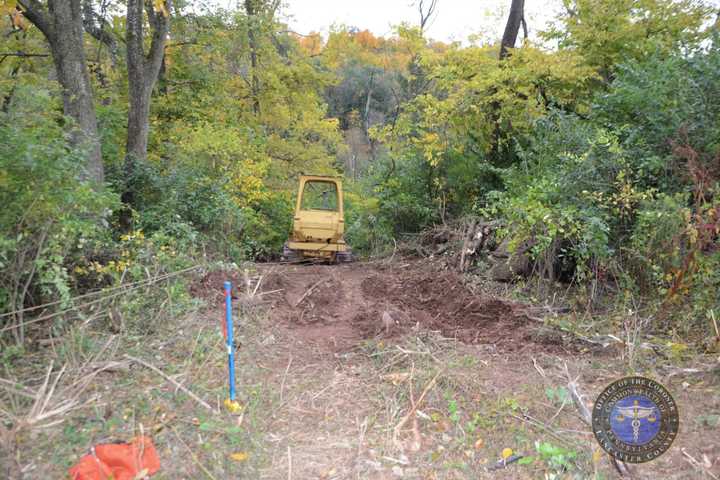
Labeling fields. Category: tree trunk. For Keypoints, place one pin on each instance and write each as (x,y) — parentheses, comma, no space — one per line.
(368,100)
(143,72)
(516,19)
(512,27)
(62,25)
(252,10)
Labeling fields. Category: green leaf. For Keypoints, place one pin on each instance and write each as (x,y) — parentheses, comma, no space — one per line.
(711,420)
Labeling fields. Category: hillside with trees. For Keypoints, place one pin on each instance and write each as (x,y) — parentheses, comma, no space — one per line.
(575,165)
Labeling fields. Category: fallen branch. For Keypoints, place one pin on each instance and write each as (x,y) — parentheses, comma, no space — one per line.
(171,380)
(697,465)
(467,232)
(584,411)
(586,417)
(289,463)
(257,286)
(415,406)
(504,463)
(537,423)
(538,368)
(192,455)
(309,291)
(282,384)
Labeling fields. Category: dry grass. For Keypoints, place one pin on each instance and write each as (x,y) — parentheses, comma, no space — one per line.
(419,406)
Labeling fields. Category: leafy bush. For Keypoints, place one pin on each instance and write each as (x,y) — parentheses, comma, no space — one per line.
(572,195)
(368,230)
(405,197)
(685,98)
(195,207)
(656,246)
(42,223)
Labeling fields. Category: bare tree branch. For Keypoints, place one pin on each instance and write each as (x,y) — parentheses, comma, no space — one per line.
(427,9)
(23,54)
(97,26)
(38,15)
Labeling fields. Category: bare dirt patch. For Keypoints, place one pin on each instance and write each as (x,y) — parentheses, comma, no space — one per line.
(209,286)
(351,303)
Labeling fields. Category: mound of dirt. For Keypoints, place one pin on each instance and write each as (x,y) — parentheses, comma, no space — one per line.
(346,304)
(458,313)
(210,286)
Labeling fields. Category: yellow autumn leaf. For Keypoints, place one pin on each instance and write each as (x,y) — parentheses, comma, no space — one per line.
(597,455)
(239,456)
(161,7)
(396,378)
(7,7)
(507,453)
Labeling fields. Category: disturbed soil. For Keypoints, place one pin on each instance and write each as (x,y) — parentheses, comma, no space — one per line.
(500,366)
(338,307)
(371,370)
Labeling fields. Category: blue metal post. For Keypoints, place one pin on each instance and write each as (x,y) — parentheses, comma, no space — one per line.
(229,340)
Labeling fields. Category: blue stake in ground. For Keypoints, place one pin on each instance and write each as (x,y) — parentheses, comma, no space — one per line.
(231,404)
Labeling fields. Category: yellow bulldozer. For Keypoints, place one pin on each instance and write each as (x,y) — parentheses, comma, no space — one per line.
(319,223)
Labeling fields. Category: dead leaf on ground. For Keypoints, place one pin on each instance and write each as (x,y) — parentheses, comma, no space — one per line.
(396,378)
(239,456)
(142,474)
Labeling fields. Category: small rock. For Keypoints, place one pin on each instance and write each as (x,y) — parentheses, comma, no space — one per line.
(398,472)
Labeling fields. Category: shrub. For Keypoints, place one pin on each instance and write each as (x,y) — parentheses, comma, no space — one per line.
(42,223)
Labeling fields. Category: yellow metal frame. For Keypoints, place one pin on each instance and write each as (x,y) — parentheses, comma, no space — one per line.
(319,178)
(318,247)
(304,220)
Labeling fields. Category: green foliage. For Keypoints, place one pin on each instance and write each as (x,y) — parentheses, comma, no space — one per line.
(609,191)
(44,219)
(443,143)
(453,412)
(684,100)
(610,32)
(565,145)
(368,230)
(559,459)
(216,165)
(656,244)
(577,200)
(557,395)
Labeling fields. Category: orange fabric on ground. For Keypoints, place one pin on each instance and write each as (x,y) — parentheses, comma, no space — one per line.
(118,461)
